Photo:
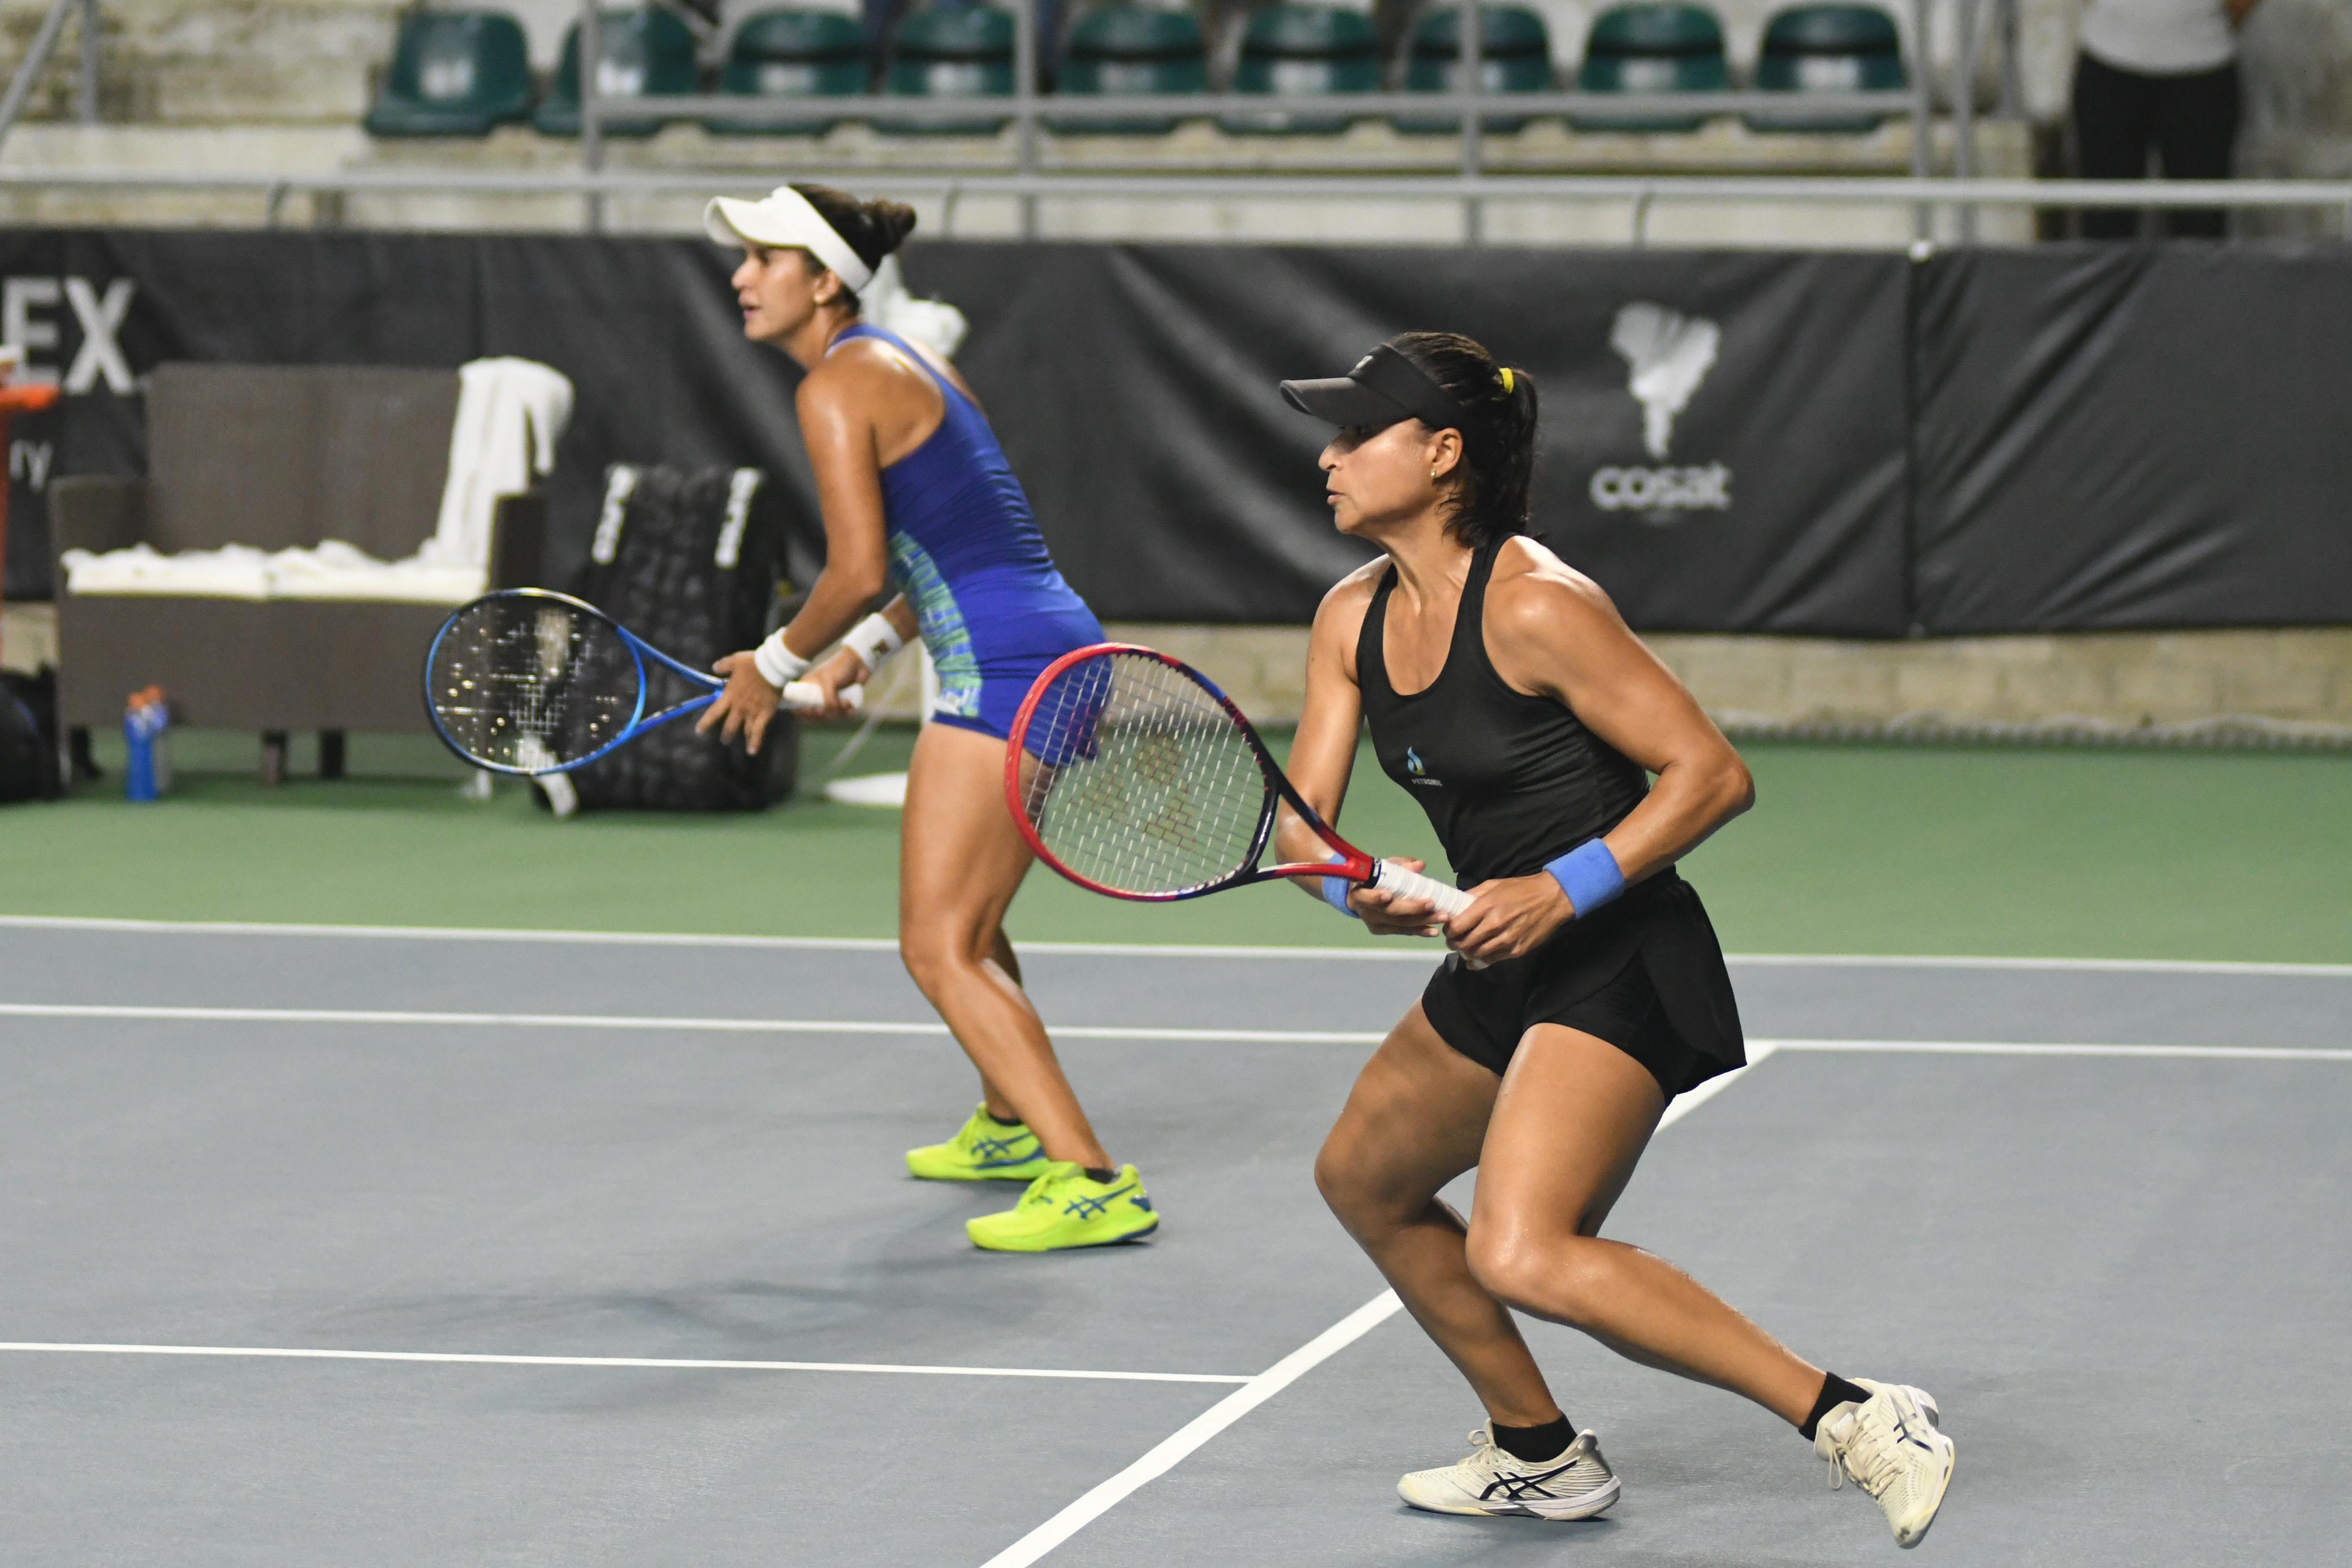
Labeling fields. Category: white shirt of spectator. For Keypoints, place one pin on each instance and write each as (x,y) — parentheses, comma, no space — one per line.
(2162,38)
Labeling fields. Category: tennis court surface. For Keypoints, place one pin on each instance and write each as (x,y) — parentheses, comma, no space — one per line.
(377,1247)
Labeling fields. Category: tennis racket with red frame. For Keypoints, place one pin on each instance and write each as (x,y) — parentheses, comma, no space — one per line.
(1131,774)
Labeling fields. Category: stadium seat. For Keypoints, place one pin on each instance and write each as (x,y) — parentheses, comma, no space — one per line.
(1119,51)
(647,53)
(1513,44)
(1827,49)
(793,54)
(1297,50)
(961,49)
(1651,49)
(454,73)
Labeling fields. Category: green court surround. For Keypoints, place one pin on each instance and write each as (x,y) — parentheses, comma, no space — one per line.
(1852,849)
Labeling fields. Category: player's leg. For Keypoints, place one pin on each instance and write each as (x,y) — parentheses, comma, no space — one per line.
(961,860)
(1414,1122)
(1571,1120)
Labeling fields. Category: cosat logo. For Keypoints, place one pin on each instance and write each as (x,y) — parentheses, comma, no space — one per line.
(1667,355)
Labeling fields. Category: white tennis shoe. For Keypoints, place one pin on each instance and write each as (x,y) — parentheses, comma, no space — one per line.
(1576,1484)
(1892,1448)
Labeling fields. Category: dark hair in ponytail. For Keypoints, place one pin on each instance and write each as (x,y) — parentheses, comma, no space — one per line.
(1498,439)
(873,229)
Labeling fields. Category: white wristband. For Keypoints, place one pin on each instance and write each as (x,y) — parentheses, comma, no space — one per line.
(778,664)
(874,640)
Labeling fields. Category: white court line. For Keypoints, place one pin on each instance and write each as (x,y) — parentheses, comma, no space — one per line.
(1757,1049)
(657,1363)
(1404,951)
(1168,1453)
(623,1022)
(2019,1048)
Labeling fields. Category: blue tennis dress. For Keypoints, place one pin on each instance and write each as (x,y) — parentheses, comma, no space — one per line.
(965,550)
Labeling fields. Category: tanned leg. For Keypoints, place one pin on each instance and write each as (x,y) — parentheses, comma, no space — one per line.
(1413,1123)
(961,860)
(1573,1116)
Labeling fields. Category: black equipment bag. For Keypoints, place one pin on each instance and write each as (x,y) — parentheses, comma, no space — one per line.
(28,749)
(690,561)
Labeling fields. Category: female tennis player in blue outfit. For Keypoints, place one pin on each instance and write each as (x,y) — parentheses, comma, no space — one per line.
(1586,989)
(917,497)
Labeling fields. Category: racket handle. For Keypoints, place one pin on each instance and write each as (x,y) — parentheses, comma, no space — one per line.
(803,695)
(1448,900)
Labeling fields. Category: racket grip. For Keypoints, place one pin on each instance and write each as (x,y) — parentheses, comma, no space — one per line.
(1448,900)
(803,695)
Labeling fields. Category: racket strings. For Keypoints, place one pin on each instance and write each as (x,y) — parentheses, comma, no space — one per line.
(527,684)
(1142,781)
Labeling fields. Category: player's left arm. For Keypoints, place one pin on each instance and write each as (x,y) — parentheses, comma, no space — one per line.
(1552,632)
(837,405)
(1323,753)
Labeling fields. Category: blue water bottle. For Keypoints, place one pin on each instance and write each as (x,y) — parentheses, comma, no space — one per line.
(146,726)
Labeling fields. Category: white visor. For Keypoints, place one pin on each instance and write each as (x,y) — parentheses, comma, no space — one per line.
(784,219)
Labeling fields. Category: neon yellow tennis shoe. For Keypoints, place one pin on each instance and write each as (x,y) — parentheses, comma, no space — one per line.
(1066,1208)
(984,1150)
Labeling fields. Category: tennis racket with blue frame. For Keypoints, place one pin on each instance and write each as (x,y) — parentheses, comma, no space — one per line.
(527,681)
(1131,774)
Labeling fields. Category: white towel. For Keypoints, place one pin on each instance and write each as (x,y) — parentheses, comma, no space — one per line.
(934,323)
(332,570)
(510,414)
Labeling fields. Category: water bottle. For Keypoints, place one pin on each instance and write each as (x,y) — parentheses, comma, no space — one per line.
(146,726)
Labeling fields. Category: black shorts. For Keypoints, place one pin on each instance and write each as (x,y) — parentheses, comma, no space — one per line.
(1644,974)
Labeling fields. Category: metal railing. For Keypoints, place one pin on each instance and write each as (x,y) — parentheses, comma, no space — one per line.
(1640,193)
(1029,110)
(37,60)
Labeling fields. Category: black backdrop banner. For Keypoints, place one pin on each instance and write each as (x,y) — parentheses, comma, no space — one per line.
(2101,438)
(1723,435)
(2119,436)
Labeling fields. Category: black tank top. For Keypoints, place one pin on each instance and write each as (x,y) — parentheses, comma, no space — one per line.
(1510,781)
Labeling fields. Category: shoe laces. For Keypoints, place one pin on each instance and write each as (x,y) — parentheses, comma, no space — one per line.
(1869,1453)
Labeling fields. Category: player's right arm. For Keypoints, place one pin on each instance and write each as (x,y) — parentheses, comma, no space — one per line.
(1323,754)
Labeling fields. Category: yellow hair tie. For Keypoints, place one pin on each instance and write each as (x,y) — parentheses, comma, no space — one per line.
(1507,378)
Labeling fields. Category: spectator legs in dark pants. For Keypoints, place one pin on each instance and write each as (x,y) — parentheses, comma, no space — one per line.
(2191,120)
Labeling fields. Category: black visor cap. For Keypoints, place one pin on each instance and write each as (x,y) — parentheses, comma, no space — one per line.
(1383,388)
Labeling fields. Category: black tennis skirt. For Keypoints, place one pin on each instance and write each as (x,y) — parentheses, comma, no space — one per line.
(1646,974)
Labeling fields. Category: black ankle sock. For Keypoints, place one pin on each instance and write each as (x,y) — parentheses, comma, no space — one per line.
(999,1121)
(1103,1173)
(1835,1391)
(1534,1444)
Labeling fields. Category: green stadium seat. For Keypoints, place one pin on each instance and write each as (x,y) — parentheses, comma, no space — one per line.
(1651,49)
(1299,49)
(648,53)
(1827,49)
(949,50)
(1119,51)
(454,73)
(793,54)
(1513,44)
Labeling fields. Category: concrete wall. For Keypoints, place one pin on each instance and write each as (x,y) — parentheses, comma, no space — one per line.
(2286,686)
(2293,685)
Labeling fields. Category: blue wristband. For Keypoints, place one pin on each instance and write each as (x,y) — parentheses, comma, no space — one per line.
(1336,888)
(1588,876)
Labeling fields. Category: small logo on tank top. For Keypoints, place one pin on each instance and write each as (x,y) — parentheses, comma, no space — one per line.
(1421,779)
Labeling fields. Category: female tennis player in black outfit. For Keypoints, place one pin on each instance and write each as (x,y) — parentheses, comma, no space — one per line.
(1586,988)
